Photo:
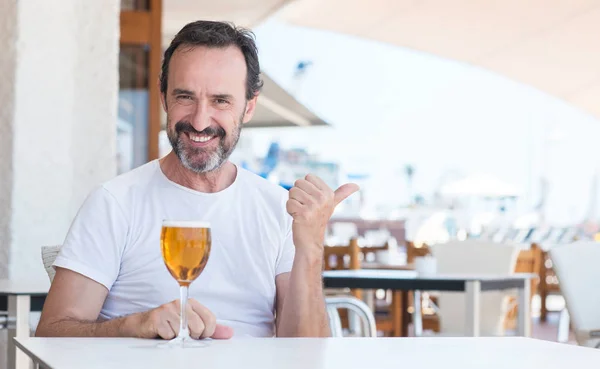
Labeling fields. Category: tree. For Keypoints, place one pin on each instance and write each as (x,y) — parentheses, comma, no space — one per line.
(409,172)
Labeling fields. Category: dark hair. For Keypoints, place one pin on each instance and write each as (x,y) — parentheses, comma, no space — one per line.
(218,35)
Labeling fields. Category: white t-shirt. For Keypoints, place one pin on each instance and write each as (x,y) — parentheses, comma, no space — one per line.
(115,240)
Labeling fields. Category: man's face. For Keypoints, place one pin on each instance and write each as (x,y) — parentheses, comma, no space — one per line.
(206,105)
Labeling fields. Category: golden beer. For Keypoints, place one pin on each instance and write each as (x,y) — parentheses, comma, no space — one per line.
(185,248)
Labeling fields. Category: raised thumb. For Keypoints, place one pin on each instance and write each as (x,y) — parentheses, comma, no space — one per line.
(343,192)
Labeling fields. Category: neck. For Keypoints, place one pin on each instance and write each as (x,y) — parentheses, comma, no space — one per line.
(214,181)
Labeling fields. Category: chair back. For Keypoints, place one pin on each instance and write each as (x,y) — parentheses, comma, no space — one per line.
(474,257)
(49,254)
(355,306)
(576,266)
(342,257)
(413,251)
(530,261)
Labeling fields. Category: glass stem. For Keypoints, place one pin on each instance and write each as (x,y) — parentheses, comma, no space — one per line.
(183,324)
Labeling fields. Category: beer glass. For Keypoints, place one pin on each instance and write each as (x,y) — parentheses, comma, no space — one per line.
(185,249)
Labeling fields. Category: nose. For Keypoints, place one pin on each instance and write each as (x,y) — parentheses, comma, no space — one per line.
(201,117)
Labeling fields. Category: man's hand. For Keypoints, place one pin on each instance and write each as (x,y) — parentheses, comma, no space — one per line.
(164,322)
(311,203)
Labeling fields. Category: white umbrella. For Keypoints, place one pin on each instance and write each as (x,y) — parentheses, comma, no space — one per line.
(480,185)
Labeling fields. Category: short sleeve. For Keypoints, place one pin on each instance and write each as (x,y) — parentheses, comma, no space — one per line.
(96,240)
(287,250)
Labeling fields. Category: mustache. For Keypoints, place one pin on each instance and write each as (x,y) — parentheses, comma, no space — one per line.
(187,127)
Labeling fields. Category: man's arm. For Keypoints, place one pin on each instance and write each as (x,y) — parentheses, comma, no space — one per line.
(73,306)
(301,310)
(300,301)
(74,303)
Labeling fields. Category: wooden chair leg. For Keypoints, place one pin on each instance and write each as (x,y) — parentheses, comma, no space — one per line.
(405,315)
(543,308)
(397,306)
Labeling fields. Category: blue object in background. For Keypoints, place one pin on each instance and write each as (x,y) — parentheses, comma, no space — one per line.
(271,160)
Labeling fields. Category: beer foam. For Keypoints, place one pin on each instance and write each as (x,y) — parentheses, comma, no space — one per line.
(185,224)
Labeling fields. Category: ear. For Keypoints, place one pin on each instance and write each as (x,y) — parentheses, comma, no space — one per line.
(250,109)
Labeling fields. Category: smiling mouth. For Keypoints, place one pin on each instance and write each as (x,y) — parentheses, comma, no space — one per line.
(199,138)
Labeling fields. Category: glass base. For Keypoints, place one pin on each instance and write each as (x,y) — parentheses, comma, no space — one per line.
(182,342)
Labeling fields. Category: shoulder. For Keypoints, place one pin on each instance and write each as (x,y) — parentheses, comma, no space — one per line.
(114,196)
(259,186)
(269,198)
(136,180)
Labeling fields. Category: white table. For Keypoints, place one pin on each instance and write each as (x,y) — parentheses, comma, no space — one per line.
(301,353)
(471,284)
(17,295)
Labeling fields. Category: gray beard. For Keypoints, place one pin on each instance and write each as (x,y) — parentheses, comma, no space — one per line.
(215,159)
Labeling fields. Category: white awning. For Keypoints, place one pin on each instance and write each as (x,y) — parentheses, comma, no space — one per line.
(276,107)
(552,45)
(177,13)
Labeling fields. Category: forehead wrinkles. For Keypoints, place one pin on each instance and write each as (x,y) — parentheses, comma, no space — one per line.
(214,67)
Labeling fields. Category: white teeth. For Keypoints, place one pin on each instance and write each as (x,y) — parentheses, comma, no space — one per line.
(199,138)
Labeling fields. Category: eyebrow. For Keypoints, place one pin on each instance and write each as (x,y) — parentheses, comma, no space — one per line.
(222,96)
(179,91)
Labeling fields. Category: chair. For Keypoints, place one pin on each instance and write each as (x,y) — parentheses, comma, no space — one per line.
(576,266)
(413,251)
(548,284)
(370,252)
(528,261)
(49,254)
(354,305)
(475,257)
(429,319)
(548,279)
(342,258)
(349,257)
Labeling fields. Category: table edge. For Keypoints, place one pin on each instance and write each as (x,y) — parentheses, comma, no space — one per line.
(491,278)
(31,294)
(30,354)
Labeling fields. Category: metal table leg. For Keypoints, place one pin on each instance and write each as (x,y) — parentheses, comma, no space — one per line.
(417,314)
(473,308)
(18,312)
(524,318)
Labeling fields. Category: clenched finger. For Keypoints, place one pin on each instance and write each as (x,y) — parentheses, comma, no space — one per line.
(300,196)
(293,206)
(307,187)
(219,331)
(195,322)
(209,320)
(172,319)
(317,182)
(165,331)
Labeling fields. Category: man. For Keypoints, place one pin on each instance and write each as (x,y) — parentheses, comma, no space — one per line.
(263,277)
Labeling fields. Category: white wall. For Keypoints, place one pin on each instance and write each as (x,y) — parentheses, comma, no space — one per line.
(59,90)
(8,34)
